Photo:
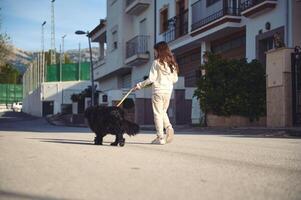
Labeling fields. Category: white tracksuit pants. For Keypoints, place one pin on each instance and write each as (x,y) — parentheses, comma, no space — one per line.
(160,103)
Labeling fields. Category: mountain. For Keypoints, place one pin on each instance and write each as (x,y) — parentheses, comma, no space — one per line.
(21,58)
(73,54)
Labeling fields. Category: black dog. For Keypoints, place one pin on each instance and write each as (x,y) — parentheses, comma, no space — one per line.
(104,120)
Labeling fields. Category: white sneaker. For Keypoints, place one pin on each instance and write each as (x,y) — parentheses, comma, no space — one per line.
(169,134)
(159,140)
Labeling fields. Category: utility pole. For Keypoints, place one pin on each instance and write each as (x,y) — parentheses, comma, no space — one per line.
(53,51)
(63,37)
(0,20)
(87,33)
(43,54)
(79,61)
(60,63)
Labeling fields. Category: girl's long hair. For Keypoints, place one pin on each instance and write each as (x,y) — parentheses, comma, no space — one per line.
(165,55)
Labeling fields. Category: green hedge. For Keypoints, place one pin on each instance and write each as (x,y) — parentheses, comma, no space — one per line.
(232,87)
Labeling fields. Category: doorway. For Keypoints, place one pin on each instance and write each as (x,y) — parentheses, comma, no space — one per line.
(47,108)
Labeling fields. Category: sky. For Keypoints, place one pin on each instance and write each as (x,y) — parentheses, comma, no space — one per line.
(22,20)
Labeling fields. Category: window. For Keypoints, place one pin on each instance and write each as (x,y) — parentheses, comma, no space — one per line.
(163,20)
(143,27)
(126,81)
(210,2)
(114,40)
(104,98)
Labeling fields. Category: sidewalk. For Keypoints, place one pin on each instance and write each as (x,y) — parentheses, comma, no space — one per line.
(189,129)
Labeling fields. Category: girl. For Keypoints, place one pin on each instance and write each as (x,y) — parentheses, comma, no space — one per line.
(163,74)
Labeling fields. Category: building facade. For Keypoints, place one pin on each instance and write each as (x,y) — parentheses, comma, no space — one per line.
(231,28)
(50,93)
(126,38)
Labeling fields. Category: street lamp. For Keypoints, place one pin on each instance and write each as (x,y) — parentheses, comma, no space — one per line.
(91,63)
(63,52)
(43,54)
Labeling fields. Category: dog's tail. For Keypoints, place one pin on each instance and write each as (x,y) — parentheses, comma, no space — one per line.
(130,128)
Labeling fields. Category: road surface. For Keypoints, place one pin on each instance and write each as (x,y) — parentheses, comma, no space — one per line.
(39,161)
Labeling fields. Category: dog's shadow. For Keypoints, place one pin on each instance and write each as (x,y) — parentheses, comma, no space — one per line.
(82,142)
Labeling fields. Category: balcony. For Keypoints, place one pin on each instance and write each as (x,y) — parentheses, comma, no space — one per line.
(177,27)
(101,61)
(251,8)
(137,50)
(203,23)
(136,7)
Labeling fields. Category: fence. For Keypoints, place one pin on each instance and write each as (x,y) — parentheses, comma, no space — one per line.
(70,72)
(10,93)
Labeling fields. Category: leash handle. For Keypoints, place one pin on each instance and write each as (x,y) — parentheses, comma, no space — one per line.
(127,94)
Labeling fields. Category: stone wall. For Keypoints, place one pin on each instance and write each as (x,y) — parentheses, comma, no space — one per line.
(233,121)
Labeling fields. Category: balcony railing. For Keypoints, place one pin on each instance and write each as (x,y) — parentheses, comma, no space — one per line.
(246,4)
(177,27)
(219,14)
(137,45)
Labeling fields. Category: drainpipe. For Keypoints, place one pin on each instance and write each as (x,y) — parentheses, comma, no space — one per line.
(155,24)
(287,24)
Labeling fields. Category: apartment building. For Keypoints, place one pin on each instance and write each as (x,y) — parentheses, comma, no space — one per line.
(126,39)
(230,28)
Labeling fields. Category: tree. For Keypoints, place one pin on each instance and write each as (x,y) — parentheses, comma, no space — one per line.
(48,58)
(232,87)
(10,75)
(5,49)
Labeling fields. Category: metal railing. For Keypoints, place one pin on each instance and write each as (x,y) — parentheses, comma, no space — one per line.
(176,27)
(224,11)
(137,45)
(246,4)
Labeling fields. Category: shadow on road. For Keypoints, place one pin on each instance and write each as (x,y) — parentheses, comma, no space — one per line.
(79,142)
(21,122)
(20,195)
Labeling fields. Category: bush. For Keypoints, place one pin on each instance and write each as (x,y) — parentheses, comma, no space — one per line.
(232,87)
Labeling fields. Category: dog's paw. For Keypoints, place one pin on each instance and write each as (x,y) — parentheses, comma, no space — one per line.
(121,143)
(114,144)
(97,141)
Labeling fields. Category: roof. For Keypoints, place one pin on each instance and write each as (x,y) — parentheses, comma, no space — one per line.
(101,25)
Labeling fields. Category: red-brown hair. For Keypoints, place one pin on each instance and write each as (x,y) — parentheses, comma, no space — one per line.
(165,55)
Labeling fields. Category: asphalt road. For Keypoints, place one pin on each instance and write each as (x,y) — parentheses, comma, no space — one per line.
(39,161)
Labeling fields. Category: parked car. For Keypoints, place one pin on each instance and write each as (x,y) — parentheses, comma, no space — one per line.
(17,107)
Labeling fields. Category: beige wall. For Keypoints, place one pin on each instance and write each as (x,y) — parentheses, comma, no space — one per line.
(279,88)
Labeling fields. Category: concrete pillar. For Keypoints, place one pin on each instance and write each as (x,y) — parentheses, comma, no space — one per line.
(279,88)
(205,46)
(101,50)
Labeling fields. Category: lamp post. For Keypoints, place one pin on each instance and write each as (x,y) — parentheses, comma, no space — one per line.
(43,54)
(63,52)
(62,60)
(91,64)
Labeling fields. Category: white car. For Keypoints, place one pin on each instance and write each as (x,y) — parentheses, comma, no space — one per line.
(17,107)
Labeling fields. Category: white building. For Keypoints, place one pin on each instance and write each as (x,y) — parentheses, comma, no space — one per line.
(42,98)
(52,97)
(126,38)
(231,28)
